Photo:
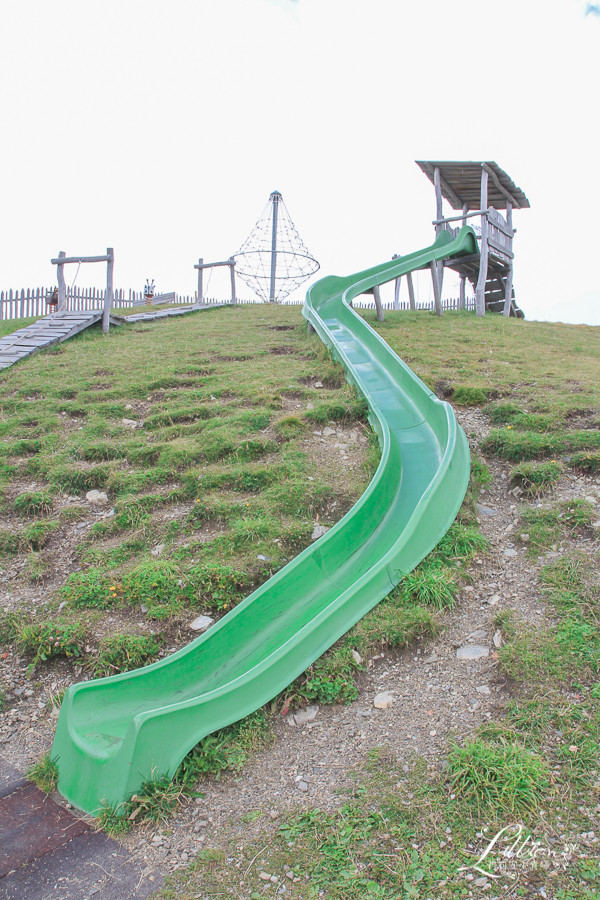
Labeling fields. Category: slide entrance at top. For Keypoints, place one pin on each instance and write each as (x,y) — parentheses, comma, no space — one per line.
(115,732)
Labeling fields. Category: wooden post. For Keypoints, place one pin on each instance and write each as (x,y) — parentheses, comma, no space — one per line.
(411,291)
(463,278)
(232,272)
(378,305)
(461,292)
(200,271)
(438,228)
(438,198)
(509,277)
(60,275)
(108,297)
(437,290)
(396,286)
(483,259)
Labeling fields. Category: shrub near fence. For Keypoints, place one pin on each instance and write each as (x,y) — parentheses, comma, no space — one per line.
(32,302)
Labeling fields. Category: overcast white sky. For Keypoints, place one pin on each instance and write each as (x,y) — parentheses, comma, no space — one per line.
(160,128)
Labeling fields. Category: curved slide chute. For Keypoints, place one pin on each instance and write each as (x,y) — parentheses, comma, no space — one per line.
(115,732)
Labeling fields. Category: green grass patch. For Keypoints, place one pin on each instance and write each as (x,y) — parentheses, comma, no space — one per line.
(503,777)
(220,587)
(588,462)
(243,478)
(10,542)
(90,590)
(469,396)
(37,535)
(546,527)
(33,503)
(289,427)
(124,652)
(430,586)
(44,773)
(11,623)
(227,749)
(524,445)
(44,641)
(536,478)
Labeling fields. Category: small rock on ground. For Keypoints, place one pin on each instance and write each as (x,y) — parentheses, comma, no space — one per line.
(202,623)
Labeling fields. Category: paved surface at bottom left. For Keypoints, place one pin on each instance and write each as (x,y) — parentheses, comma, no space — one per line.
(47,853)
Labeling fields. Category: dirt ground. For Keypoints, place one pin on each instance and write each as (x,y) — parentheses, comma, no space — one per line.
(437,696)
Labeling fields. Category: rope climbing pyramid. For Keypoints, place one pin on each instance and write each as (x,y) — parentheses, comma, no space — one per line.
(273,261)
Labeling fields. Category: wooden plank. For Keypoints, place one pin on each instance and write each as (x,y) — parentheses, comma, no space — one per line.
(203,265)
(462,217)
(79,259)
(22,339)
(496,245)
(75,331)
(498,222)
(24,342)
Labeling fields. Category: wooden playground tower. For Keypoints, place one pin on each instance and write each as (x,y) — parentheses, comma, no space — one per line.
(478,189)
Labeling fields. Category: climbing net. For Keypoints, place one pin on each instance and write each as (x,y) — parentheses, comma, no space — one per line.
(273,261)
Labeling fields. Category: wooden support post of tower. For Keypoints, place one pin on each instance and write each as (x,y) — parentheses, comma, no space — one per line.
(509,275)
(483,259)
(378,305)
(397,285)
(437,182)
(463,277)
(60,277)
(108,297)
(437,291)
(411,291)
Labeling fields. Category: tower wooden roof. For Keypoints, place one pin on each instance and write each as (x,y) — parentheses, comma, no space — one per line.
(461,183)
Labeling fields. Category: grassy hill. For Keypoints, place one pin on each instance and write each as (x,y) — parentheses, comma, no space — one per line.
(208,436)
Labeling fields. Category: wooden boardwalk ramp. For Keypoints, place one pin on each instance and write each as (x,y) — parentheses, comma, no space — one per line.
(52,329)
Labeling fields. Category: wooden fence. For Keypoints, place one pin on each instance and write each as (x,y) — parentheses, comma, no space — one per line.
(451,303)
(32,302)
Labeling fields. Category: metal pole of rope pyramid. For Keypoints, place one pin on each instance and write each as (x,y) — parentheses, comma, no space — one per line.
(273,260)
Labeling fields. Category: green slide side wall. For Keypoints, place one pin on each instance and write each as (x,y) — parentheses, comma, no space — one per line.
(114,732)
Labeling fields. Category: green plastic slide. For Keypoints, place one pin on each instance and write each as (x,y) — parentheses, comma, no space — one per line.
(115,732)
